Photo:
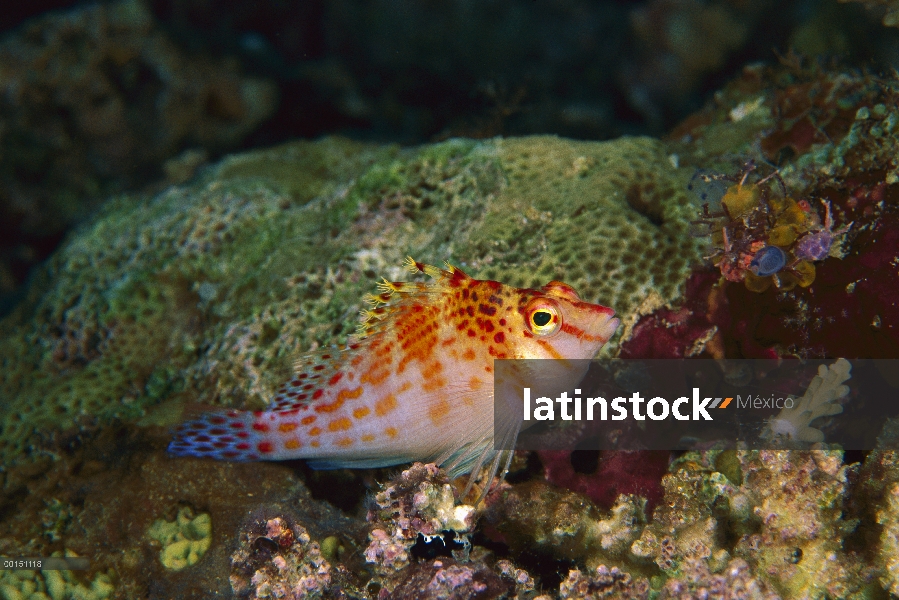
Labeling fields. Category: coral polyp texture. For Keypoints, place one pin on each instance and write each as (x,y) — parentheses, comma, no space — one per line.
(206,292)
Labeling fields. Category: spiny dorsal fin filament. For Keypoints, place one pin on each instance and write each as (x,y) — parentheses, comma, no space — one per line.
(430,270)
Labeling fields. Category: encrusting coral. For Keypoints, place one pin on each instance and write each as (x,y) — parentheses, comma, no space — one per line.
(184,541)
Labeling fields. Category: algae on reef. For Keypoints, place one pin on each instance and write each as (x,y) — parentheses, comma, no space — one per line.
(206,292)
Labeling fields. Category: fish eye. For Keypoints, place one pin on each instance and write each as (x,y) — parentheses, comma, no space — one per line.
(543,319)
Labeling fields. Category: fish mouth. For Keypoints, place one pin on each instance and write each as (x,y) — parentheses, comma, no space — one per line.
(610,328)
(605,326)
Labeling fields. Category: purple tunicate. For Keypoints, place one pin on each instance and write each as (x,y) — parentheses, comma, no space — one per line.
(814,246)
(768,261)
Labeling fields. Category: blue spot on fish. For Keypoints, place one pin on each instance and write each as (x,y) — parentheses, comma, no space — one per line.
(768,261)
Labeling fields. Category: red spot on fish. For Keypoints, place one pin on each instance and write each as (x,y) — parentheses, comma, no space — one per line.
(242,435)
(471,333)
(264,447)
(499,338)
(235,425)
(260,426)
(217,420)
(242,446)
(335,378)
(318,367)
(487,309)
(317,394)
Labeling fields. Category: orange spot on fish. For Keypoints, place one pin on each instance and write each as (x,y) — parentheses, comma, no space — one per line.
(308,420)
(375,375)
(292,444)
(345,442)
(474,383)
(390,431)
(342,396)
(361,412)
(439,411)
(405,387)
(368,437)
(341,424)
(448,341)
(287,427)
(314,443)
(434,384)
(468,354)
(315,431)
(385,405)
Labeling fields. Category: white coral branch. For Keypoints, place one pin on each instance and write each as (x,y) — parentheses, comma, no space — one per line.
(820,400)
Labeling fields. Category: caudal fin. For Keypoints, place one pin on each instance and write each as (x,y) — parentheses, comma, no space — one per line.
(220,435)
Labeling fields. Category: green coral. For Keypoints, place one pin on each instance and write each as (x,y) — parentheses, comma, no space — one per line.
(54,585)
(205,292)
(184,541)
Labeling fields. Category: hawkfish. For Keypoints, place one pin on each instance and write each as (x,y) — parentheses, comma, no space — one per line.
(416,383)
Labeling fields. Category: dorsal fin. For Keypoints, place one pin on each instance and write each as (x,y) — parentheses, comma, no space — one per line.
(395,297)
